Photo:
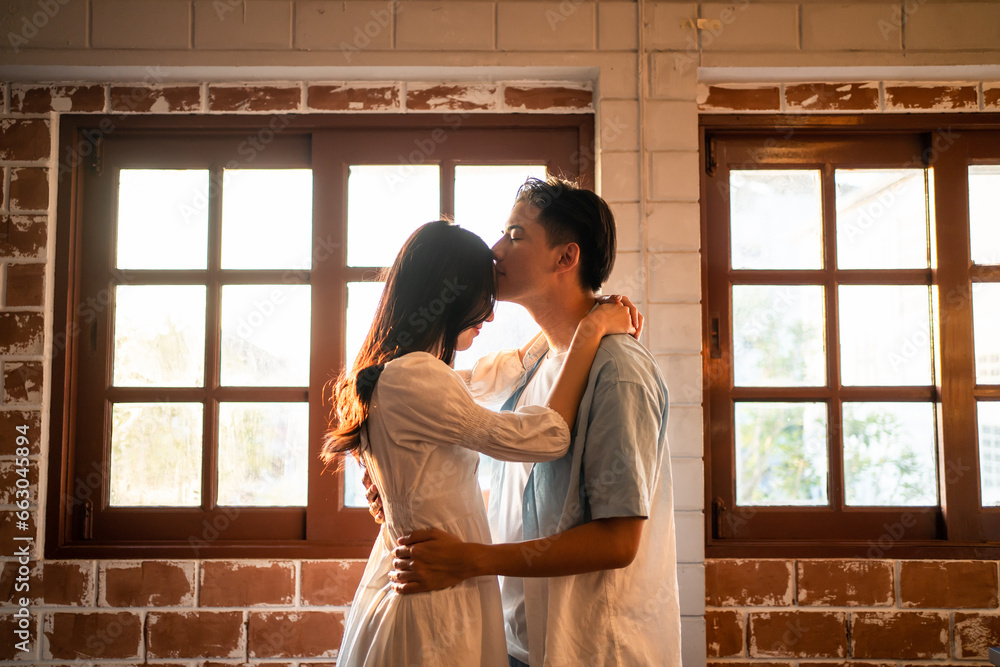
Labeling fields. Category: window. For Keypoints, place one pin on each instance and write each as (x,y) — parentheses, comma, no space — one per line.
(214,274)
(852,387)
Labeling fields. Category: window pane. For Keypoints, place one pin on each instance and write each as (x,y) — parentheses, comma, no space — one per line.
(162,219)
(354,490)
(263,454)
(159,336)
(986,331)
(884,335)
(265,335)
(881,219)
(781,454)
(156,454)
(266,219)
(989,451)
(778,335)
(984,213)
(484,196)
(362,302)
(776,217)
(385,203)
(889,454)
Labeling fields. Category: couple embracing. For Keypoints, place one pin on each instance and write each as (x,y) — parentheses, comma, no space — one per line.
(579,528)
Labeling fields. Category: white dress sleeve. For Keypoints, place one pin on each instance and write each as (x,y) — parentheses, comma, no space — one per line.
(422,400)
(494,377)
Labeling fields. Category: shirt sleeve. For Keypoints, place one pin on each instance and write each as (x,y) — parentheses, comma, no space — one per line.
(423,400)
(494,377)
(620,458)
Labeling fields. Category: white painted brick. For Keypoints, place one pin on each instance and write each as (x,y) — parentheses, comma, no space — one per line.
(444,26)
(140,24)
(683,373)
(675,277)
(62,29)
(628,277)
(626,225)
(693,642)
(869,27)
(343,26)
(674,328)
(685,430)
(618,76)
(619,125)
(545,26)
(671,25)
(617,26)
(674,226)
(751,27)
(620,176)
(689,483)
(691,580)
(690,530)
(672,126)
(674,76)
(959,26)
(674,175)
(259,24)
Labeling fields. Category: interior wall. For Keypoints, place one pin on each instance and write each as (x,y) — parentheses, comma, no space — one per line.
(651,67)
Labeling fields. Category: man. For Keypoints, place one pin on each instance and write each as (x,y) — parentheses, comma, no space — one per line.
(584,545)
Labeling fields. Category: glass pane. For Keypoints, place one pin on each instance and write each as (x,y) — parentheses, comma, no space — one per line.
(159,336)
(162,219)
(776,216)
(265,335)
(781,454)
(267,219)
(156,454)
(884,335)
(984,213)
(778,336)
(362,302)
(385,203)
(889,454)
(263,454)
(484,196)
(354,490)
(989,452)
(881,219)
(986,331)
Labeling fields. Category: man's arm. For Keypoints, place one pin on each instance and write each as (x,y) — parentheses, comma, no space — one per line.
(429,560)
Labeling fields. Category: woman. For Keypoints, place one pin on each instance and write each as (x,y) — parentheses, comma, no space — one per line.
(418,431)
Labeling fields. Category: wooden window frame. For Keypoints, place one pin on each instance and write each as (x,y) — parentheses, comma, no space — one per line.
(958,527)
(80,524)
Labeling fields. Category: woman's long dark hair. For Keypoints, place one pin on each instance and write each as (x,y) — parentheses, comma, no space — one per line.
(441,283)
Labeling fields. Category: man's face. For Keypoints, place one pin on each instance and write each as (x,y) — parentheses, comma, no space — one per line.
(523,256)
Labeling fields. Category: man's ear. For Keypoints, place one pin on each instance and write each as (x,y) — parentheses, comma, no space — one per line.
(569,258)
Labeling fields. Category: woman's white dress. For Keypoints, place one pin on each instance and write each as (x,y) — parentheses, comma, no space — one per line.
(423,433)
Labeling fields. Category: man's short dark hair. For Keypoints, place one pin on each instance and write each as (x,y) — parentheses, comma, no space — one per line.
(570,214)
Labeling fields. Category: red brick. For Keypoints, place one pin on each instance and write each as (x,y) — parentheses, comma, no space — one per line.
(546,97)
(931,98)
(289,634)
(741,98)
(326,583)
(737,583)
(195,634)
(69,583)
(797,634)
(832,97)
(845,583)
(11,532)
(8,624)
(948,584)
(10,473)
(90,634)
(21,333)
(22,236)
(458,97)
(725,633)
(10,420)
(29,189)
(991,96)
(348,97)
(253,98)
(146,584)
(975,634)
(906,635)
(25,285)
(22,383)
(28,98)
(747,663)
(229,584)
(157,99)
(24,139)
